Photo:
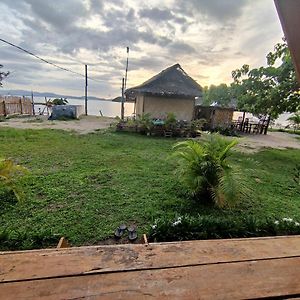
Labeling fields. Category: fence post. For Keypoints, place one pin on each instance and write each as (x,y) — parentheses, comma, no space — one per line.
(21,107)
(4,108)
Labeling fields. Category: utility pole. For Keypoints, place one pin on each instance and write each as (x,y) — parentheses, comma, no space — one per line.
(86,84)
(124,82)
(123,99)
(125,85)
(32,102)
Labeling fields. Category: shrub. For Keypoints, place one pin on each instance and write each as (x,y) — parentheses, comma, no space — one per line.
(205,171)
(186,227)
(170,122)
(227,131)
(144,123)
(9,175)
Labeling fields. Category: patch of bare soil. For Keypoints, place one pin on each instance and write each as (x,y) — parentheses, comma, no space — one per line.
(85,124)
(278,140)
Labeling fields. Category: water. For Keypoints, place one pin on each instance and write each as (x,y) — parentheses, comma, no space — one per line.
(280,122)
(108,108)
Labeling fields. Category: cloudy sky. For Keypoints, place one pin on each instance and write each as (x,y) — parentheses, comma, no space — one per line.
(209,38)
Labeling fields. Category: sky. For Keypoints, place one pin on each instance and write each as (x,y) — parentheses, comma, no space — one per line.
(208,38)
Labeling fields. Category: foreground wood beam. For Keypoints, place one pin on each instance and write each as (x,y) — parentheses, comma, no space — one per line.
(213,269)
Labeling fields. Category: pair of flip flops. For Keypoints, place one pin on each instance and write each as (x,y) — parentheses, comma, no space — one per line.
(132,233)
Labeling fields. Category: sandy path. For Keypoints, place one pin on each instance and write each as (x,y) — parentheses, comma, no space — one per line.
(278,140)
(82,126)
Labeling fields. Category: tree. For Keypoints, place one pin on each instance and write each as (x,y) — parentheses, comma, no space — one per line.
(206,172)
(269,90)
(2,75)
(59,101)
(217,93)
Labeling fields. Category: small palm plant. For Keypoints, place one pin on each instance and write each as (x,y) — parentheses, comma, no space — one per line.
(205,170)
(9,174)
(295,120)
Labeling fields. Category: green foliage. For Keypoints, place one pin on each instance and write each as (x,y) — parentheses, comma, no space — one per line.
(59,101)
(9,175)
(186,227)
(227,131)
(198,124)
(221,94)
(170,121)
(205,170)
(144,122)
(295,119)
(2,75)
(269,90)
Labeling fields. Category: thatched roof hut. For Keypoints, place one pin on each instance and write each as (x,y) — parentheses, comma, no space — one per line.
(172,90)
(215,114)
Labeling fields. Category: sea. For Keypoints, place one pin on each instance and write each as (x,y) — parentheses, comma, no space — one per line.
(95,107)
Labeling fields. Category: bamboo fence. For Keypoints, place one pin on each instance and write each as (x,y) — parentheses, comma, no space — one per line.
(11,105)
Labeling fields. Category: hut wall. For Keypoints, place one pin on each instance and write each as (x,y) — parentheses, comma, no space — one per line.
(222,117)
(158,107)
(139,105)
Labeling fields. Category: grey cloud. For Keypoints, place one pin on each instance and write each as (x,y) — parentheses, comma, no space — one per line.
(176,48)
(158,15)
(147,62)
(219,10)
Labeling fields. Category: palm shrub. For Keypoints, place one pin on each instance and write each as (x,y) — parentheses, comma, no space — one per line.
(170,122)
(9,175)
(144,123)
(205,170)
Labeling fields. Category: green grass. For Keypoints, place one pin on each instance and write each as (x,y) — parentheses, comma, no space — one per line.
(84,186)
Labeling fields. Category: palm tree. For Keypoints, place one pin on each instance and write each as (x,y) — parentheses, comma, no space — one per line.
(9,173)
(295,119)
(205,170)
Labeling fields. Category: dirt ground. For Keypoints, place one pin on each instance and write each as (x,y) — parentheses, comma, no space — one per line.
(85,124)
(278,140)
(247,143)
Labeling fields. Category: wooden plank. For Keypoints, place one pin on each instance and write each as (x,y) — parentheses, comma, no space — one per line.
(241,280)
(99,259)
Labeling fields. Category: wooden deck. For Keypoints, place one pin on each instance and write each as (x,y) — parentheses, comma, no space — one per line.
(214,269)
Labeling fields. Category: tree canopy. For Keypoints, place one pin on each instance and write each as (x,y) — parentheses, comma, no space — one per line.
(2,75)
(268,90)
(217,93)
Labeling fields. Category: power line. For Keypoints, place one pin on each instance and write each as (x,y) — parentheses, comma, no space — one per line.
(48,62)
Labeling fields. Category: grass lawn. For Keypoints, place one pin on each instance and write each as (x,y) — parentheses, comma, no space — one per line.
(84,186)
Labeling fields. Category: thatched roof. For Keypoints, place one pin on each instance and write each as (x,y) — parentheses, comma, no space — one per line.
(171,82)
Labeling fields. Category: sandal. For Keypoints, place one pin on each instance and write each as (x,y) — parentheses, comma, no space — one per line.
(132,233)
(120,231)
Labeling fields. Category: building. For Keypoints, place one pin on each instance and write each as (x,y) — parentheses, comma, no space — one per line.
(170,91)
(215,114)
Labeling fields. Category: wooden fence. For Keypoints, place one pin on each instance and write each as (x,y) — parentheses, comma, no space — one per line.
(10,105)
